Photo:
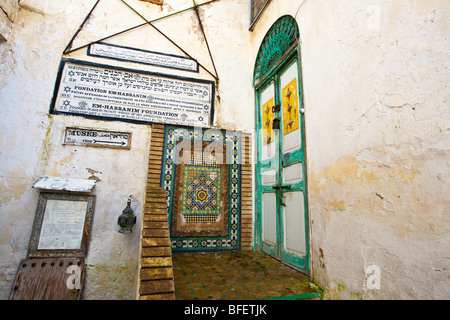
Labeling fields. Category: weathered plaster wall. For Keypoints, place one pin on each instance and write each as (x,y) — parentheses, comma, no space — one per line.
(375,77)
(31,139)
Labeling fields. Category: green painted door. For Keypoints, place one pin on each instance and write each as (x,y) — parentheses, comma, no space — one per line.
(282,228)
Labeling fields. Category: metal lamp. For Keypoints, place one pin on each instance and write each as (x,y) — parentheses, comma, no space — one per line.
(127,219)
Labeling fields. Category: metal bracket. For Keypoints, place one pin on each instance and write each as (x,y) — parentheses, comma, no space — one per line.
(280,194)
(281,187)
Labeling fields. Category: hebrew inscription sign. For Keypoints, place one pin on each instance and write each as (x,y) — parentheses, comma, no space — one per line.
(116,52)
(97,138)
(111,93)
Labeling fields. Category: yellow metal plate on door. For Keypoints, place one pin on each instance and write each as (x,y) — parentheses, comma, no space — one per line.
(267,118)
(290,107)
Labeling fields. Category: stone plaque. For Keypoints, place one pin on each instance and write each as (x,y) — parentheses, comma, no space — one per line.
(62,225)
(64,184)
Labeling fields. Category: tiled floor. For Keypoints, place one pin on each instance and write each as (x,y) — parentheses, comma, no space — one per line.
(242,275)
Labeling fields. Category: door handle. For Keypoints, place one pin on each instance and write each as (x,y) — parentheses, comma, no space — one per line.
(280,187)
(280,195)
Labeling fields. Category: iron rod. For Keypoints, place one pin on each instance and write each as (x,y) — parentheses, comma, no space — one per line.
(206,40)
(107,37)
(175,44)
(80,27)
(129,29)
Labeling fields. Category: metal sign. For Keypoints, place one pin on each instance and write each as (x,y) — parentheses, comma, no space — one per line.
(112,93)
(97,138)
(122,53)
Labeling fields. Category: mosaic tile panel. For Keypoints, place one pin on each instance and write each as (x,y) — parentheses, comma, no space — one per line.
(195,223)
(201,194)
(201,174)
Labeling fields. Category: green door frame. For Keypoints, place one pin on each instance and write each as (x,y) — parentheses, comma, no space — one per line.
(278,162)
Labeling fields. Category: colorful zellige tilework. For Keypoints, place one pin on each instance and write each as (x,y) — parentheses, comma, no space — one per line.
(201,194)
(203,179)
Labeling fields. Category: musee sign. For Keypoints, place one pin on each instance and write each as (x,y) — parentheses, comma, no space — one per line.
(97,138)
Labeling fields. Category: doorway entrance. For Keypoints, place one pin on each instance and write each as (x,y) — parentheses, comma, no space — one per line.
(282,225)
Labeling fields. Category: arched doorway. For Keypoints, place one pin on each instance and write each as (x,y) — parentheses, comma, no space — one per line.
(281,215)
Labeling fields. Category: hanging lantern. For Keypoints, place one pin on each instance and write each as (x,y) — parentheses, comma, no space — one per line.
(127,219)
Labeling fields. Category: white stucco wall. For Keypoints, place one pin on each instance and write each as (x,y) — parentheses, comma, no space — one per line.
(375,80)
(31,139)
